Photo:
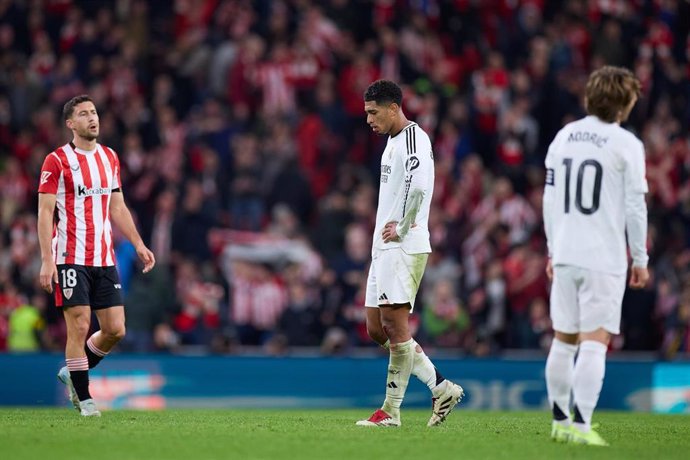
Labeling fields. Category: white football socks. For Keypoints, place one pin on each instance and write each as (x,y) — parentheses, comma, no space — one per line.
(587,380)
(559,376)
(399,369)
(423,368)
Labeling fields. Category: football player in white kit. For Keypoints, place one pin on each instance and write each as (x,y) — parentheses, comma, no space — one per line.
(399,255)
(595,192)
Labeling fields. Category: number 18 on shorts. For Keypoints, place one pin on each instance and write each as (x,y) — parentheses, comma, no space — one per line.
(97,287)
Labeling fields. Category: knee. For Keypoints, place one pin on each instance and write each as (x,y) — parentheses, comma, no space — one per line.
(114,332)
(393,329)
(81,325)
(376,333)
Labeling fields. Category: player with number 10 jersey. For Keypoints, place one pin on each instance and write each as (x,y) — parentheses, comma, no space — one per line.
(593,167)
(594,196)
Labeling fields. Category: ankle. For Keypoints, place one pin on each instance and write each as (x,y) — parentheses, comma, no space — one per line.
(582,427)
(390,409)
(440,388)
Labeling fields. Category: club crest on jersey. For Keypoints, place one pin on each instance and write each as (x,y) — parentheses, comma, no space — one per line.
(67,292)
(44,176)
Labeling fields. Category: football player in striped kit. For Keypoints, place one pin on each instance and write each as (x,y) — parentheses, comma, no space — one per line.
(400,250)
(79,195)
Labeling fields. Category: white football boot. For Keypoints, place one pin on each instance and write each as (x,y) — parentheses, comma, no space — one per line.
(445,402)
(63,376)
(88,409)
(380,418)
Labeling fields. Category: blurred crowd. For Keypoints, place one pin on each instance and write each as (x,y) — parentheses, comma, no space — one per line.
(252,175)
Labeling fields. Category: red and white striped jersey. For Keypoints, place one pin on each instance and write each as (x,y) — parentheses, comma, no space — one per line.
(83,182)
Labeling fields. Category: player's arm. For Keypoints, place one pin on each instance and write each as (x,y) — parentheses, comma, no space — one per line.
(51,170)
(636,215)
(419,166)
(120,215)
(46,209)
(548,201)
(549,198)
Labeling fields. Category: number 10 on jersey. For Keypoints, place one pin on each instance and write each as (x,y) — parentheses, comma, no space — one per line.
(596,190)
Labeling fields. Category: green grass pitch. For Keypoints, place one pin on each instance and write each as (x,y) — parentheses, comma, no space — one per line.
(53,434)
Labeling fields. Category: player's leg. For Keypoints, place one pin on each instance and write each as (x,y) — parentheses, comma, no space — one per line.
(601,296)
(395,321)
(559,382)
(561,360)
(110,313)
(73,295)
(393,325)
(375,328)
(445,394)
(77,319)
(375,331)
(588,380)
(111,321)
(422,367)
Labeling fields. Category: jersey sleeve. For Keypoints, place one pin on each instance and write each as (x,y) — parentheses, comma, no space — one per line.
(549,192)
(419,163)
(635,205)
(419,171)
(117,183)
(635,170)
(50,175)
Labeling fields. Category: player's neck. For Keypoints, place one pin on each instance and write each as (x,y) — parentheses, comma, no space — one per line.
(84,144)
(399,125)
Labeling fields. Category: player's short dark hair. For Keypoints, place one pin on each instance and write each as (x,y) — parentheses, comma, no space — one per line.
(382,92)
(68,108)
(609,90)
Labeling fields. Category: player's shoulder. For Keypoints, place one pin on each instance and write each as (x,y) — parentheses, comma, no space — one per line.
(566,130)
(628,138)
(416,130)
(106,149)
(576,125)
(414,137)
(55,155)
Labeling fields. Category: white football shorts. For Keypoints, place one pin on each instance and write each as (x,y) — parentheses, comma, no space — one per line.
(394,277)
(583,300)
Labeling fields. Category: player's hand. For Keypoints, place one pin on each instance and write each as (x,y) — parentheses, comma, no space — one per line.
(549,269)
(390,232)
(147,257)
(638,277)
(48,276)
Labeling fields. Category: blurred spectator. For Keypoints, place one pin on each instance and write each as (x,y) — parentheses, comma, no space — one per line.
(299,324)
(258,300)
(351,266)
(444,319)
(247,204)
(26,326)
(198,320)
(192,223)
(535,332)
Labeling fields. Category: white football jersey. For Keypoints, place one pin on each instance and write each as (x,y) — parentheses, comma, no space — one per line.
(595,186)
(407,163)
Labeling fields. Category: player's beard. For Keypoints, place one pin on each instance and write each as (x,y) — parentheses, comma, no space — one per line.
(86,134)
